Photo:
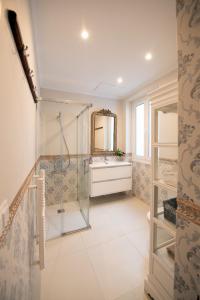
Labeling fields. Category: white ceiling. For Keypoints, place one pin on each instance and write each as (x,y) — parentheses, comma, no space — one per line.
(121,32)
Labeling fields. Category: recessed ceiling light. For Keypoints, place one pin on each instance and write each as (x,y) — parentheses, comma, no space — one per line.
(85,35)
(148,56)
(119,80)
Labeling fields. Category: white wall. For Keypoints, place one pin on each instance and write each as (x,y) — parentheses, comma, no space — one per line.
(18,111)
(141,93)
(50,134)
(168,133)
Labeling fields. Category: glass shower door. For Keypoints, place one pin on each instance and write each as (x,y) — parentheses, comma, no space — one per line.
(64,154)
(83,158)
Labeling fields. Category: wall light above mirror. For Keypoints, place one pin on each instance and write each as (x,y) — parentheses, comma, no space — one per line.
(103,132)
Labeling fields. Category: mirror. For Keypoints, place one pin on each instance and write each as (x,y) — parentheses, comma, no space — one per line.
(103,132)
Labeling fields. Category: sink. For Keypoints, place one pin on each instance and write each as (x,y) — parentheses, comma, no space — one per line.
(108,177)
(107,164)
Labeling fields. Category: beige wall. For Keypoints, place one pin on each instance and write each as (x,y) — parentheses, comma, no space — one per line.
(50,141)
(18,111)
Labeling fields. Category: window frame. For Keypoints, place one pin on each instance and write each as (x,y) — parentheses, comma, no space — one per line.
(147,135)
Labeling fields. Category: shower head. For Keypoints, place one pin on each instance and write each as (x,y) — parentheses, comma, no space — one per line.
(59,116)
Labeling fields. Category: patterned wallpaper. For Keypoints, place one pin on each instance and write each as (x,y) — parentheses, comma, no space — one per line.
(61,181)
(142,176)
(187,268)
(19,278)
(142,181)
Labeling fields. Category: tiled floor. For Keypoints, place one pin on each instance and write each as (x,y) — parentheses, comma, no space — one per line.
(70,220)
(107,262)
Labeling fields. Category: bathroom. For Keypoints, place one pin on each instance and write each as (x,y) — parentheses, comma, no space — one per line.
(100,152)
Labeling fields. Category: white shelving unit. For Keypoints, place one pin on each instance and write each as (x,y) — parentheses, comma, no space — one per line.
(160,280)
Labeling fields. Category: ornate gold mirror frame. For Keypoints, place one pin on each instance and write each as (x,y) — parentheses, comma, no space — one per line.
(108,113)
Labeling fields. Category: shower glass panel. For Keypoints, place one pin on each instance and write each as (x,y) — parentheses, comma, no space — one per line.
(83,163)
(64,145)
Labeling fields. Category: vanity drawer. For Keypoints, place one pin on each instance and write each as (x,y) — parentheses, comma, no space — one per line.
(109,187)
(103,174)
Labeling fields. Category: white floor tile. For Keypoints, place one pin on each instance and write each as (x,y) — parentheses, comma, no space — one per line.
(71,244)
(57,223)
(118,265)
(53,249)
(101,234)
(74,279)
(140,239)
(135,294)
(104,263)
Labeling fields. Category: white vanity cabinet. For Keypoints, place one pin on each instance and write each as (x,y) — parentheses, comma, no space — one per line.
(110,177)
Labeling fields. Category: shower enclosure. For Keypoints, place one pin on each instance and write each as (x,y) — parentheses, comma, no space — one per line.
(64,154)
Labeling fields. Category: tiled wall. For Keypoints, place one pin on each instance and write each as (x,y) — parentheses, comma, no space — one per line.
(126,157)
(142,178)
(19,277)
(61,180)
(187,270)
(142,181)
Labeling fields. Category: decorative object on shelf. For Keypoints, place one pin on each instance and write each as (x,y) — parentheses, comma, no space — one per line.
(119,153)
(170,207)
(22,51)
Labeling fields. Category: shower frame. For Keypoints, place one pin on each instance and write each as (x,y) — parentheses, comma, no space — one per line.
(80,160)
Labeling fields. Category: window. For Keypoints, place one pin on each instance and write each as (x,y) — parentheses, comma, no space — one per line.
(142,130)
(139,132)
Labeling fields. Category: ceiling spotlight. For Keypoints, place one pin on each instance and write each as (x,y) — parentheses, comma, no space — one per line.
(85,35)
(119,80)
(148,56)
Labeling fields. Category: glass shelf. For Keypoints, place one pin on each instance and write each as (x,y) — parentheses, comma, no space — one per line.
(166,258)
(164,158)
(161,194)
(165,164)
(167,185)
(164,247)
(169,226)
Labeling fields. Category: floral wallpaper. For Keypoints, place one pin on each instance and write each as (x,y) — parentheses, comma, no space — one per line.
(142,187)
(19,277)
(142,176)
(187,270)
(187,267)
(61,180)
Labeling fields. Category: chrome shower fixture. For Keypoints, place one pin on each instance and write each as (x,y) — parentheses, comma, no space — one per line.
(59,116)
